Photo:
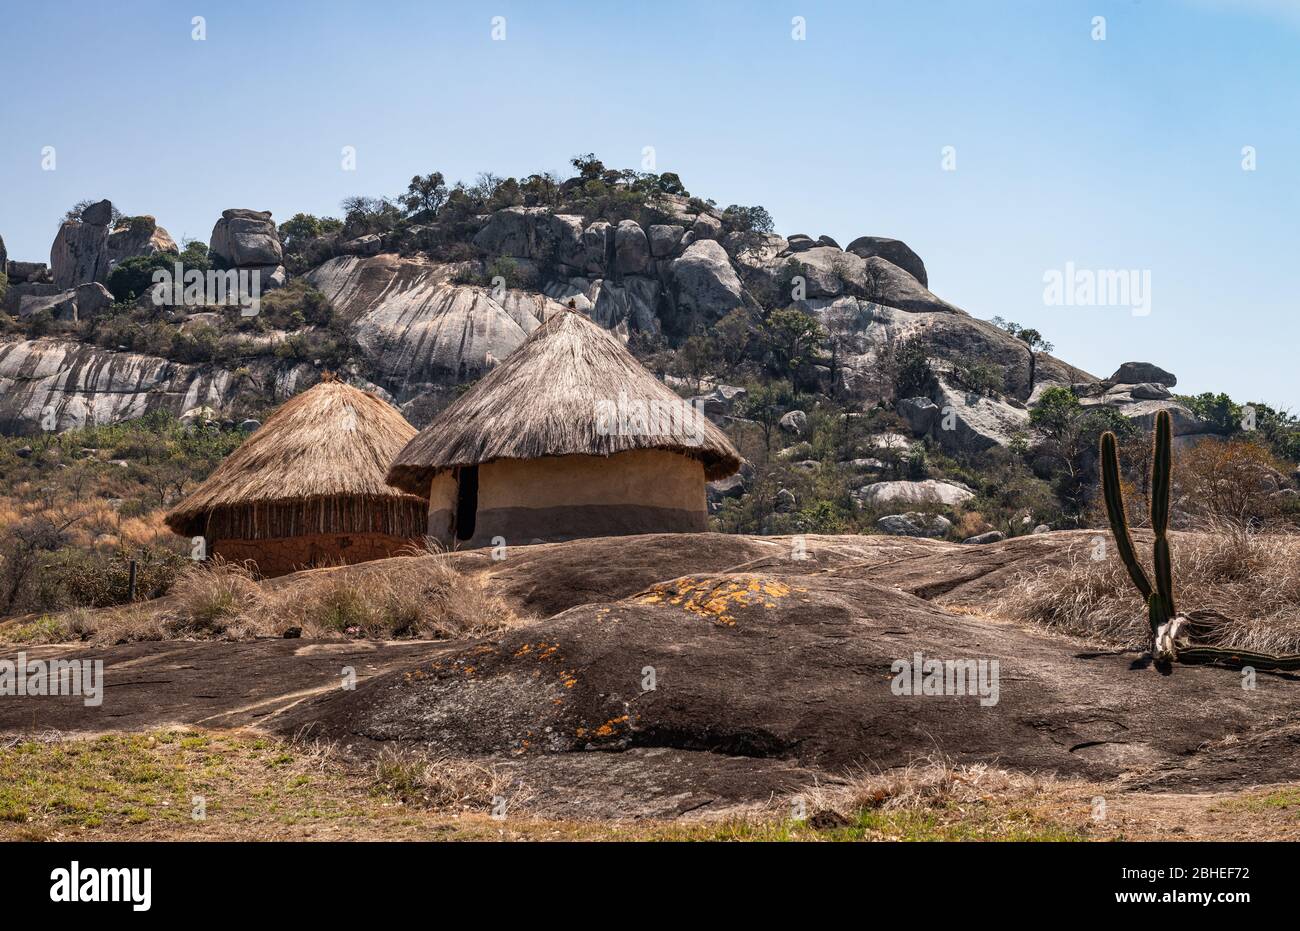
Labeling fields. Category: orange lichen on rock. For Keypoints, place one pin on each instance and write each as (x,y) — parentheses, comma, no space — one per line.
(607,729)
(715,599)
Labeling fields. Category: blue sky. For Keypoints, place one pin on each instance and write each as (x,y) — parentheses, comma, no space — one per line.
(1115,154)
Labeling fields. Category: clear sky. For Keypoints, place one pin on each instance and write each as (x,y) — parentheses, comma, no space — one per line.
(1117,154)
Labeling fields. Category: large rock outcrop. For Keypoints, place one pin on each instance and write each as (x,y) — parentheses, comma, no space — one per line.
(866,329)
(56,383)
(80,251)
(799,662)
(626,306)
(138,236)
(894,251)
(248,239)
(765,682)
(83,302)
(418,329)
(927,491)
(704,281)
(631,248)
(86,250)
(967,422)
(537,234)
(1133,373)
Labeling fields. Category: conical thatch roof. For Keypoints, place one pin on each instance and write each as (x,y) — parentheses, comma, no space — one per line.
(316,466)
(542,400)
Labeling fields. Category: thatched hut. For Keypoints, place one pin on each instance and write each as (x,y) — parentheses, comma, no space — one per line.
(308,487)
(568,437)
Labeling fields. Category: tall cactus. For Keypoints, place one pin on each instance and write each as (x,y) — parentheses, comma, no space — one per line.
(1160,598)
(1162,467)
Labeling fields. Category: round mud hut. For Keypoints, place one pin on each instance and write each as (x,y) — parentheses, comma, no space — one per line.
(568,437)
(307,489)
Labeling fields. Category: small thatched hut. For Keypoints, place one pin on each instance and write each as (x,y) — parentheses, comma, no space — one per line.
(568,437)
(308,488)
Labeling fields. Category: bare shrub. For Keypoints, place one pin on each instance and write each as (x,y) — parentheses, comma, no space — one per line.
(1234,480)
(1251,578)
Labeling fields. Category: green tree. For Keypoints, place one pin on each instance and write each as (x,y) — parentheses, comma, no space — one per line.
(694,358)
(299,229)
(133,277)
(734,335)
(765,403)
(1068,432)
(540,190)
(793,339)
(1218,410)
(424,196)
(747,219)
(908,362)
(669,183)
(1033,340)
(589,167)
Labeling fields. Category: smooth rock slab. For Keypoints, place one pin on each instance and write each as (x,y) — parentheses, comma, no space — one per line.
(925,491)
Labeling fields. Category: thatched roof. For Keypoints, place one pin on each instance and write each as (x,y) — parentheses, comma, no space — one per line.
(316,465)
(542,400)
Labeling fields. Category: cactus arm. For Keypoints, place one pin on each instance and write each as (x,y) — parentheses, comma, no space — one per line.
(1114,496)
(1161,480)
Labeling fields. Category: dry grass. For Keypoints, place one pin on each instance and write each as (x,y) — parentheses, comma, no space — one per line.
(445,783)
(1252,578)
(144,786)
(214,598)
(423,598)
(94,522)
(925,784)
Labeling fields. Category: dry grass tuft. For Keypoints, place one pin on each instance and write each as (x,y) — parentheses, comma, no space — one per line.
(425,598)
(927,784)
(213,597)
(444,783)
(1252,578)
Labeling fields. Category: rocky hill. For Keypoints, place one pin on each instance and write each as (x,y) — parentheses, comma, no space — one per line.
(845,381)
(424,324)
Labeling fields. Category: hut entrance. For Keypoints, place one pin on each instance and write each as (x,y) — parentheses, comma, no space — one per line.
(466,501)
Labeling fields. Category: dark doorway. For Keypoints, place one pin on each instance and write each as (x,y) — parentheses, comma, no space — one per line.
(466,501)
